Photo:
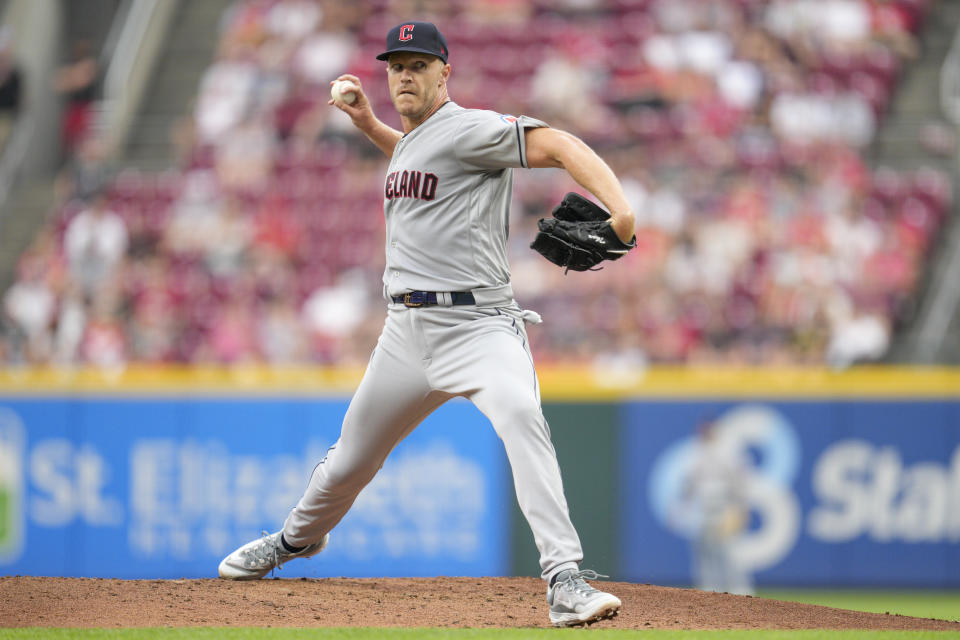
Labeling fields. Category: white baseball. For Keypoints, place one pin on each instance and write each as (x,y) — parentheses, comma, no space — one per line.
(344,91)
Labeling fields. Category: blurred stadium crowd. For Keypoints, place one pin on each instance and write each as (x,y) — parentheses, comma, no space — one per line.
(738,128)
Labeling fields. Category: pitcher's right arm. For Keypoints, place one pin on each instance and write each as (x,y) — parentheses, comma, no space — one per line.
(361,113)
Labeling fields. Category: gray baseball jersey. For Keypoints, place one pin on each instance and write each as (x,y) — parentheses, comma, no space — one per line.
(447,201)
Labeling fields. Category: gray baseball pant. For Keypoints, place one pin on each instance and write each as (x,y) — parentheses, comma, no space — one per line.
(424,357)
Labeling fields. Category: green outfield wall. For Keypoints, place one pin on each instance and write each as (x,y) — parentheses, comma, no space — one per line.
(585,438)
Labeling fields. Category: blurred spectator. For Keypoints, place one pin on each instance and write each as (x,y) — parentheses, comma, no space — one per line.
(563,89)
(292,20)
(233,338)
(894,24)
(323,56)
(104,342)
(87,172)
(152,304)
(95,243)
(857,337)
(230,236)
(226,91)
(219,230)
(189,229)
(10,87)
(330,314)
(301,116)
(77,81)
(740,84)
(807,118)
(71,326)
(430,10)
(280,334)
(244,159)
(30,305)
(498,12)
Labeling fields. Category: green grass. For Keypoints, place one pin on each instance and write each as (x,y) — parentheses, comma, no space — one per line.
(454,634)
(943,605)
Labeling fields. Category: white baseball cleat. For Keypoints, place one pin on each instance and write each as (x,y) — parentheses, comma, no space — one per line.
(259,557)
(574,602)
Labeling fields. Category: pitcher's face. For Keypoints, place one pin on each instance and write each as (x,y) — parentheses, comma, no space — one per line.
(417,81)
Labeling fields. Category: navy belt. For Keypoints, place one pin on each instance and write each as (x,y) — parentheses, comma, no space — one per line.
(428,298)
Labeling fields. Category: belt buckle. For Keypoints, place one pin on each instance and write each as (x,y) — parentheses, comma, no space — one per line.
(414,299)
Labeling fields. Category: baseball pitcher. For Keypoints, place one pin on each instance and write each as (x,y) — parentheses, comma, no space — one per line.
(453,327)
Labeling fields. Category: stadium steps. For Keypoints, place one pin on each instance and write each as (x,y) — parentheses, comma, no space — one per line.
(916,105)
(30,207)
(899,144)
(187,54)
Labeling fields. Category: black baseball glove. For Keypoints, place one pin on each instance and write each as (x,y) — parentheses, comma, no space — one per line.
(579,236)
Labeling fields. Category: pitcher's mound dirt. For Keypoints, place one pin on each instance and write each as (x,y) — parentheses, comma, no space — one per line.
(417,602)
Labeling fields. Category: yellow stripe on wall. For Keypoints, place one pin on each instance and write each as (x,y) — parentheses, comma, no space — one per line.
(196,380)
(681,382)
(581,384)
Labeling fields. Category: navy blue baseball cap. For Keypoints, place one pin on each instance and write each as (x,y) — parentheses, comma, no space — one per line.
(419,37)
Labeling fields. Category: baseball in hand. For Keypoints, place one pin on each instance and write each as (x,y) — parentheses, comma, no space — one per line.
(344,91)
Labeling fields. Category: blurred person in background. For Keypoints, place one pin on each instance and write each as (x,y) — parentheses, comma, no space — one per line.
(29,307)
(714,501)
(95,244)
(71,324)
(499,13)
(10,87)
(565,86)
(226,91)
(232,339)
(857,336)
(77,81)
(104,342)
(280,335)
(293,20)
(152,325)
(331,313)
(87,172)
(243,160)
(322,53)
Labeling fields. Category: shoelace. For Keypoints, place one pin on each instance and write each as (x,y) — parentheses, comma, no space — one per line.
(575,581)
(267,550)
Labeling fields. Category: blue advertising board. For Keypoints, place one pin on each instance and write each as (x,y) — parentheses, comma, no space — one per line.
(834,492)
(161,488)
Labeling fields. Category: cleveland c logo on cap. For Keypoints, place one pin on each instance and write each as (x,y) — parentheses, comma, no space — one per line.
(403,37)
